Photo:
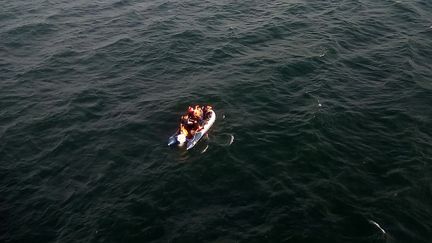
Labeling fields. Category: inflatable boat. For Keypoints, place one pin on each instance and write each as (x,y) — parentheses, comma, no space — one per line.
(180,139)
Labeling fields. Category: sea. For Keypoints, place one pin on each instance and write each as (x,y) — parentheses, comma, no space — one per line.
(322,132)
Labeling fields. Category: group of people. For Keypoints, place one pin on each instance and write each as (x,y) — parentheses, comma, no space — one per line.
(194,119)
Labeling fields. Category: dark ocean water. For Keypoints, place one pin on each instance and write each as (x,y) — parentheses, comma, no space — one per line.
(323,132)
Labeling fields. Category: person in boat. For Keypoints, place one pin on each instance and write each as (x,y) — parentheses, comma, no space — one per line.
(193,120)
(186,125)
(207,112)
(185,121)
(190,111)
(194,117)
(198,113)
(189,123)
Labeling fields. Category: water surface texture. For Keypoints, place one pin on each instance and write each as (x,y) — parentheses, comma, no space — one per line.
(323,132)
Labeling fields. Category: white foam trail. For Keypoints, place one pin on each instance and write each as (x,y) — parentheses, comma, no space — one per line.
(204,150)
(377,225)
(232,139)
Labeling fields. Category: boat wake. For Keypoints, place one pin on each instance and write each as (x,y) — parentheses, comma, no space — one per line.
(378,226)
(231,140)
(205,149)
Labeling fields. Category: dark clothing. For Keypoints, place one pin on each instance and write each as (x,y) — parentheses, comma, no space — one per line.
(186,122)
(195,123)
(191,123)
(207,114)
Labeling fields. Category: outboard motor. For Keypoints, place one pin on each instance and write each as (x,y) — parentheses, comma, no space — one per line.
(181,138)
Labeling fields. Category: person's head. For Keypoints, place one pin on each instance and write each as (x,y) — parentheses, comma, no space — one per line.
(190,110)
(198,113)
